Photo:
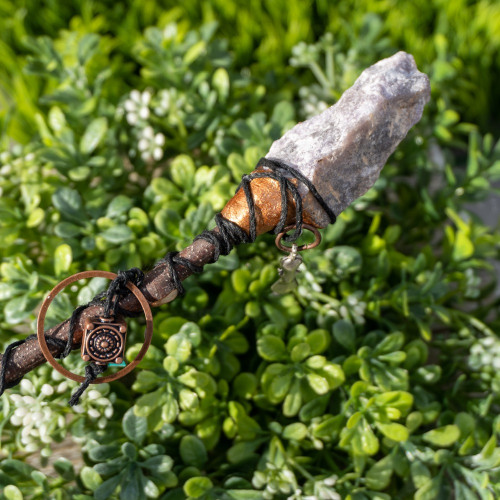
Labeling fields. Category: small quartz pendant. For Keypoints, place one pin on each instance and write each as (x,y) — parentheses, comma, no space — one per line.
(104,341)
(289,267)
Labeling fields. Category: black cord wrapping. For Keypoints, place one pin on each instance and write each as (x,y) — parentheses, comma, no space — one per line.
(109,298)
(229,235)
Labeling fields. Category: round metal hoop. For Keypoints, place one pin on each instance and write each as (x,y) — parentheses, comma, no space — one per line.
(148,334)
(315,243)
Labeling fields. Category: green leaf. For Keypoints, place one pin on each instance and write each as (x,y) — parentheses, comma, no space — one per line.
(193,451)
(297,431)
(179,347)
(392,342)
(145,404)
(333,374)
(64,468)
(106,489)
(16,310)
(271,348)
(240,279)
(293,400)
(167,222)
(283,114)
(430,490)
(318,341)
(134,427)
(221,83)
(36,217)
(396,432)
(195,487)
(158,465)
(245,385)
(93,135)
(442,436)
(67,230)
(12,492)
(300,352)
(170,410)
(420,474)
(241,451)
(150,488)
(57,120)
(90,478)
(63,257)
(129,451)
(280,385)
(314,408)
(401,400)
(131,486)
(345,335)
(318,384)
(87,47)
(182,171)
(463,247)
(247,426)
(369,442)
(379,475)
(69,203)
(244,494)
(118,234)
(118,206)
(103,452)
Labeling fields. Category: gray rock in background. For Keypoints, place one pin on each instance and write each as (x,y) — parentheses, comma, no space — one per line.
(342,150)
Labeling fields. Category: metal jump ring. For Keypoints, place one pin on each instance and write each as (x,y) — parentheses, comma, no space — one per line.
(148,334)
(315,243)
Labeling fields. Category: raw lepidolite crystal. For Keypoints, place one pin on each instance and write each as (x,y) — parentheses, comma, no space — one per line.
(343,149)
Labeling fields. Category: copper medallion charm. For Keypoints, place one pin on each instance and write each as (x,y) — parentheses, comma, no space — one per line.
(103,339)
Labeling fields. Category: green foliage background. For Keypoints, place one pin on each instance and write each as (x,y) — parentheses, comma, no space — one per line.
(125,126)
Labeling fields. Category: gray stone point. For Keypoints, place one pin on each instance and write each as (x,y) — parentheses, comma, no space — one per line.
(342,150)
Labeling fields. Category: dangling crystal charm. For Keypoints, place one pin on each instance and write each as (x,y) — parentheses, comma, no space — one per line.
(289,267)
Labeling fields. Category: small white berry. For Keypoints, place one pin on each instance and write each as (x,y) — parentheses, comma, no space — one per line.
(32,447)
(144,113)
(94,394)
(62,387)
(29,400)
(93,413)
(47,390)
(15,420)
(159,139)
(135,95)
(27,387)
(131,118)
(158,154)
(130,105)
(20,412)
(148,132)
(143,145)
(27,420)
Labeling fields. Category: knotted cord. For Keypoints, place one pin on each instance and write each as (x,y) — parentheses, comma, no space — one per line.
(229,234)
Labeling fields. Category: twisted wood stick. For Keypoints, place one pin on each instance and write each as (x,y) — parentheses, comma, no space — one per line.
(341,152)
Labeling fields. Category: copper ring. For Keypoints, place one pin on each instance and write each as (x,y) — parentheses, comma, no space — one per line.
(315,243)
(148,334)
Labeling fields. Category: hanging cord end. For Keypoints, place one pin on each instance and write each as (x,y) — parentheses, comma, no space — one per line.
(92,371)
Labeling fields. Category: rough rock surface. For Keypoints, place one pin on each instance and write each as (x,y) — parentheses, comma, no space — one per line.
(343,149)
